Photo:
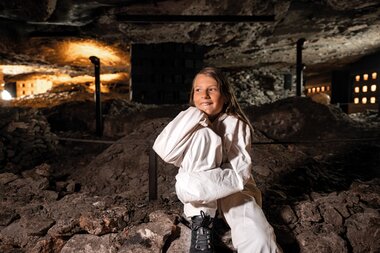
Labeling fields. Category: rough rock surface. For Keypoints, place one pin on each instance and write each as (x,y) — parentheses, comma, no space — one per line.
(339,33)
(25,138)
(93,197)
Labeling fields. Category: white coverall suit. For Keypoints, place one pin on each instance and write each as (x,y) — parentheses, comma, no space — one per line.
(215,172)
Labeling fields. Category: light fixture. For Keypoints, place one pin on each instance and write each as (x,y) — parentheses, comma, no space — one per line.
(356,100)
(374,75)
(364,100)
(308,90)
(373,87)
(323,88)
(372,100)
(313,89)
(356,89)
(365,88)
(357,78)
(365,77)
(5,95)
(318,89)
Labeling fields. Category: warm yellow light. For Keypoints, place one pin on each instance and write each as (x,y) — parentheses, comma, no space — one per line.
(78,53)
(22,69)
(364,100)
(372,100)
(60,78)
(104,78)
(313,89)
(34,84)
(114,77)
(365,77)
(365,88)
(327,88)
(357,89)
(357,78)
(103,88)
(373,87)
(318,89)
(374,75)
(356,100)
(323,88)
(308,90)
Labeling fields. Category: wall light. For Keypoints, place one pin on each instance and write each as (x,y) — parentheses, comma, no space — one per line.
(365,88)
(372,100)
(323,88)
(373,87)
(374,75)
(356,89)
(364,100)
(5,95)
(365,77)
(357,78)
(356,100)
(313,89)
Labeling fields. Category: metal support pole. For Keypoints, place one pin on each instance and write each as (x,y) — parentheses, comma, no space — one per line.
(152,171)
(98,107)
(300,67)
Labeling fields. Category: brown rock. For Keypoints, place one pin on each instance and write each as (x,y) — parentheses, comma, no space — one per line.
(363,231)
(5,178)
(84,243)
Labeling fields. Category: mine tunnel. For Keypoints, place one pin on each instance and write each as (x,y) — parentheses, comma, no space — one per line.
(87,86)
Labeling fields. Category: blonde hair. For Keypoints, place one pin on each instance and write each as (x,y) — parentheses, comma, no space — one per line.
(231,106)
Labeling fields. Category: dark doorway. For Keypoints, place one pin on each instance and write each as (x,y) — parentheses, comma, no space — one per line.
(162,73)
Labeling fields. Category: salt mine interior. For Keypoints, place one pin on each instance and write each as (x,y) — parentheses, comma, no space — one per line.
(87,85)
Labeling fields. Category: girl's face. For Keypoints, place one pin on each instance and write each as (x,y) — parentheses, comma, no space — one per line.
(207,96)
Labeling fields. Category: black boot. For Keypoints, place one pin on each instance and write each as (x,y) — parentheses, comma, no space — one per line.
(201,237)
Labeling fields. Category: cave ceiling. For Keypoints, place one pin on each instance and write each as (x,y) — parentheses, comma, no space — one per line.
(336,33)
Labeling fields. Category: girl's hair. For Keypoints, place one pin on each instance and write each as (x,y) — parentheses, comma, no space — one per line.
(231,106)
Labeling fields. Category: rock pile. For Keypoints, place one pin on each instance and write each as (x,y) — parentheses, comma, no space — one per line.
(25,138)
(55,96)
(345,221)
(319,198)
(36,218)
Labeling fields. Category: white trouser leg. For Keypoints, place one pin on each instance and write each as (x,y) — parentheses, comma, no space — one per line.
(250,230)
(204,153)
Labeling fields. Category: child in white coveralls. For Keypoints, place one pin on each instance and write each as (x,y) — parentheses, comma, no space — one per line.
(210,143)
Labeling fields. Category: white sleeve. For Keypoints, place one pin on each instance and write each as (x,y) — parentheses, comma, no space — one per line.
(239,152)
(218,182)
(173,140)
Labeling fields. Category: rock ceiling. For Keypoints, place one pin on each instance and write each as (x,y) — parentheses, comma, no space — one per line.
(337,33)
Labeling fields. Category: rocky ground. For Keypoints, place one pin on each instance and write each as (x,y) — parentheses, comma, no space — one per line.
(318,170)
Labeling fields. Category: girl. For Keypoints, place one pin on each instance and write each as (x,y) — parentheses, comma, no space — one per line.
(210,143)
